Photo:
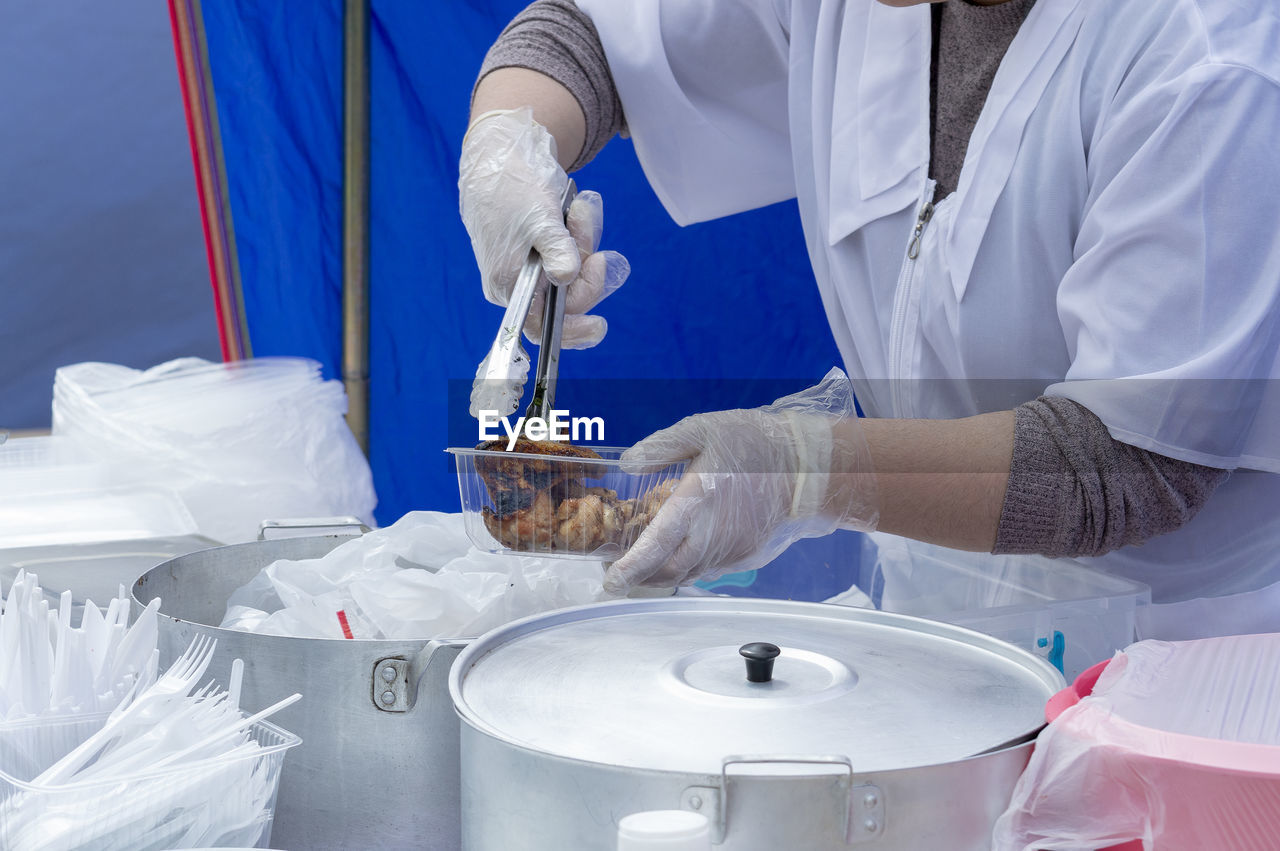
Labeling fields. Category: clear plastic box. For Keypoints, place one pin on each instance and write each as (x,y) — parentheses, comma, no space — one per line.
(552,505)
(53,492)
(1072,615)
(92,516)
(229,801)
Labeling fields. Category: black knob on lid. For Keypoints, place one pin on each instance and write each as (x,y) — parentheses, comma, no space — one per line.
(759,656)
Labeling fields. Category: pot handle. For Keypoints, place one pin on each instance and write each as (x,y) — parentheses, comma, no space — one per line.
(396,681)
(348,524)
(863,818)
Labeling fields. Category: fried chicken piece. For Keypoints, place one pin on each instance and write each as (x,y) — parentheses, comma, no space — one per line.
(646,507)
(513,482)
(568,489)
(527,529)
(591,521)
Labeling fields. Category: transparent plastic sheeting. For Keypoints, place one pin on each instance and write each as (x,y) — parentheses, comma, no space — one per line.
(419,578)
(1178,746)
(238,442)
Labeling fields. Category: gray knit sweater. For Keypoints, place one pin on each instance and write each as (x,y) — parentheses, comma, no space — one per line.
(1073,490)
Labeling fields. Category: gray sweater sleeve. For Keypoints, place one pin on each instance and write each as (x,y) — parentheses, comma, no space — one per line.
(1076,491)
(556,38)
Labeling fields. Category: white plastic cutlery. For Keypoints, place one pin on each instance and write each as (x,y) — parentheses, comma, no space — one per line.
(96,751)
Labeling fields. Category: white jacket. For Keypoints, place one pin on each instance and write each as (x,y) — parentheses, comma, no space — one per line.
(1117,217)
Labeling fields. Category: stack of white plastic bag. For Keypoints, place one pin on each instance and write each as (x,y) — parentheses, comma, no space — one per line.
(1177,747)
(419,578)
(97,751)
(239,442)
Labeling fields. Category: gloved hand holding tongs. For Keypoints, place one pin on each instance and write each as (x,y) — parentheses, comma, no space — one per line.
(512,192)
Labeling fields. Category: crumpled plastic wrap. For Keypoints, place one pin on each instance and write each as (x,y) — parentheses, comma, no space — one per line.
(419,578)
(1178,747)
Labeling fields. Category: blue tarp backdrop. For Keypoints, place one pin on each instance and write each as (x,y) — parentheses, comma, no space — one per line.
(718,315)
(101,255)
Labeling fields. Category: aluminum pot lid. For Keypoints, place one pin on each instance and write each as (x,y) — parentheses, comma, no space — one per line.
(665,685)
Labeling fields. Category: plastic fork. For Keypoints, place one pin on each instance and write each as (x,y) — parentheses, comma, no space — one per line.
(227,731)
(176,682)
(147,707)
(203,711)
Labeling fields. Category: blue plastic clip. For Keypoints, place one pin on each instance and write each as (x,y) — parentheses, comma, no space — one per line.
(1056,651)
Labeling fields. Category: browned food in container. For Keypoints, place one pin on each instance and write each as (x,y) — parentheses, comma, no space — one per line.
(513,481)
(525,446)
(592,520)
(646,507)
(544,506)
(531,528)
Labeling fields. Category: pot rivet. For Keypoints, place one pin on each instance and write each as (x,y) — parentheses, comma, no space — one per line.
(388,674)
(388,697)
(871,825)
(695,802)
(870,799)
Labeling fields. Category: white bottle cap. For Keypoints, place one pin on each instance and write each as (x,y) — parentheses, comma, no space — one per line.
(664,830)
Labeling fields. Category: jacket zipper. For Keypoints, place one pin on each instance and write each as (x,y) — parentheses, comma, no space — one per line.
(926,213)
(899,369)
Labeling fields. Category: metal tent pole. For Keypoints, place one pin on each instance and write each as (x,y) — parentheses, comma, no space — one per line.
(355,217)
(196,81)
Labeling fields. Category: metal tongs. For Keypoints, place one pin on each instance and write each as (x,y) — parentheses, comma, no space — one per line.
(499,383)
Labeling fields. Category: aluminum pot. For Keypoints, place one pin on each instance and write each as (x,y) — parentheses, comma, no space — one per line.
(871,731)
(378,763)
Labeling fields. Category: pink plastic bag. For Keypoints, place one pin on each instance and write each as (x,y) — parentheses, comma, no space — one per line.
(1176,749)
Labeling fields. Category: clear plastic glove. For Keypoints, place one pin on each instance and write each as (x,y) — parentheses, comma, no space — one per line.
(509,188)
(756,481)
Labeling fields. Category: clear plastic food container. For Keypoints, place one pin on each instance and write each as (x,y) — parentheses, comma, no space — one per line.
(1070,614)
(227,801)
(557,505)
